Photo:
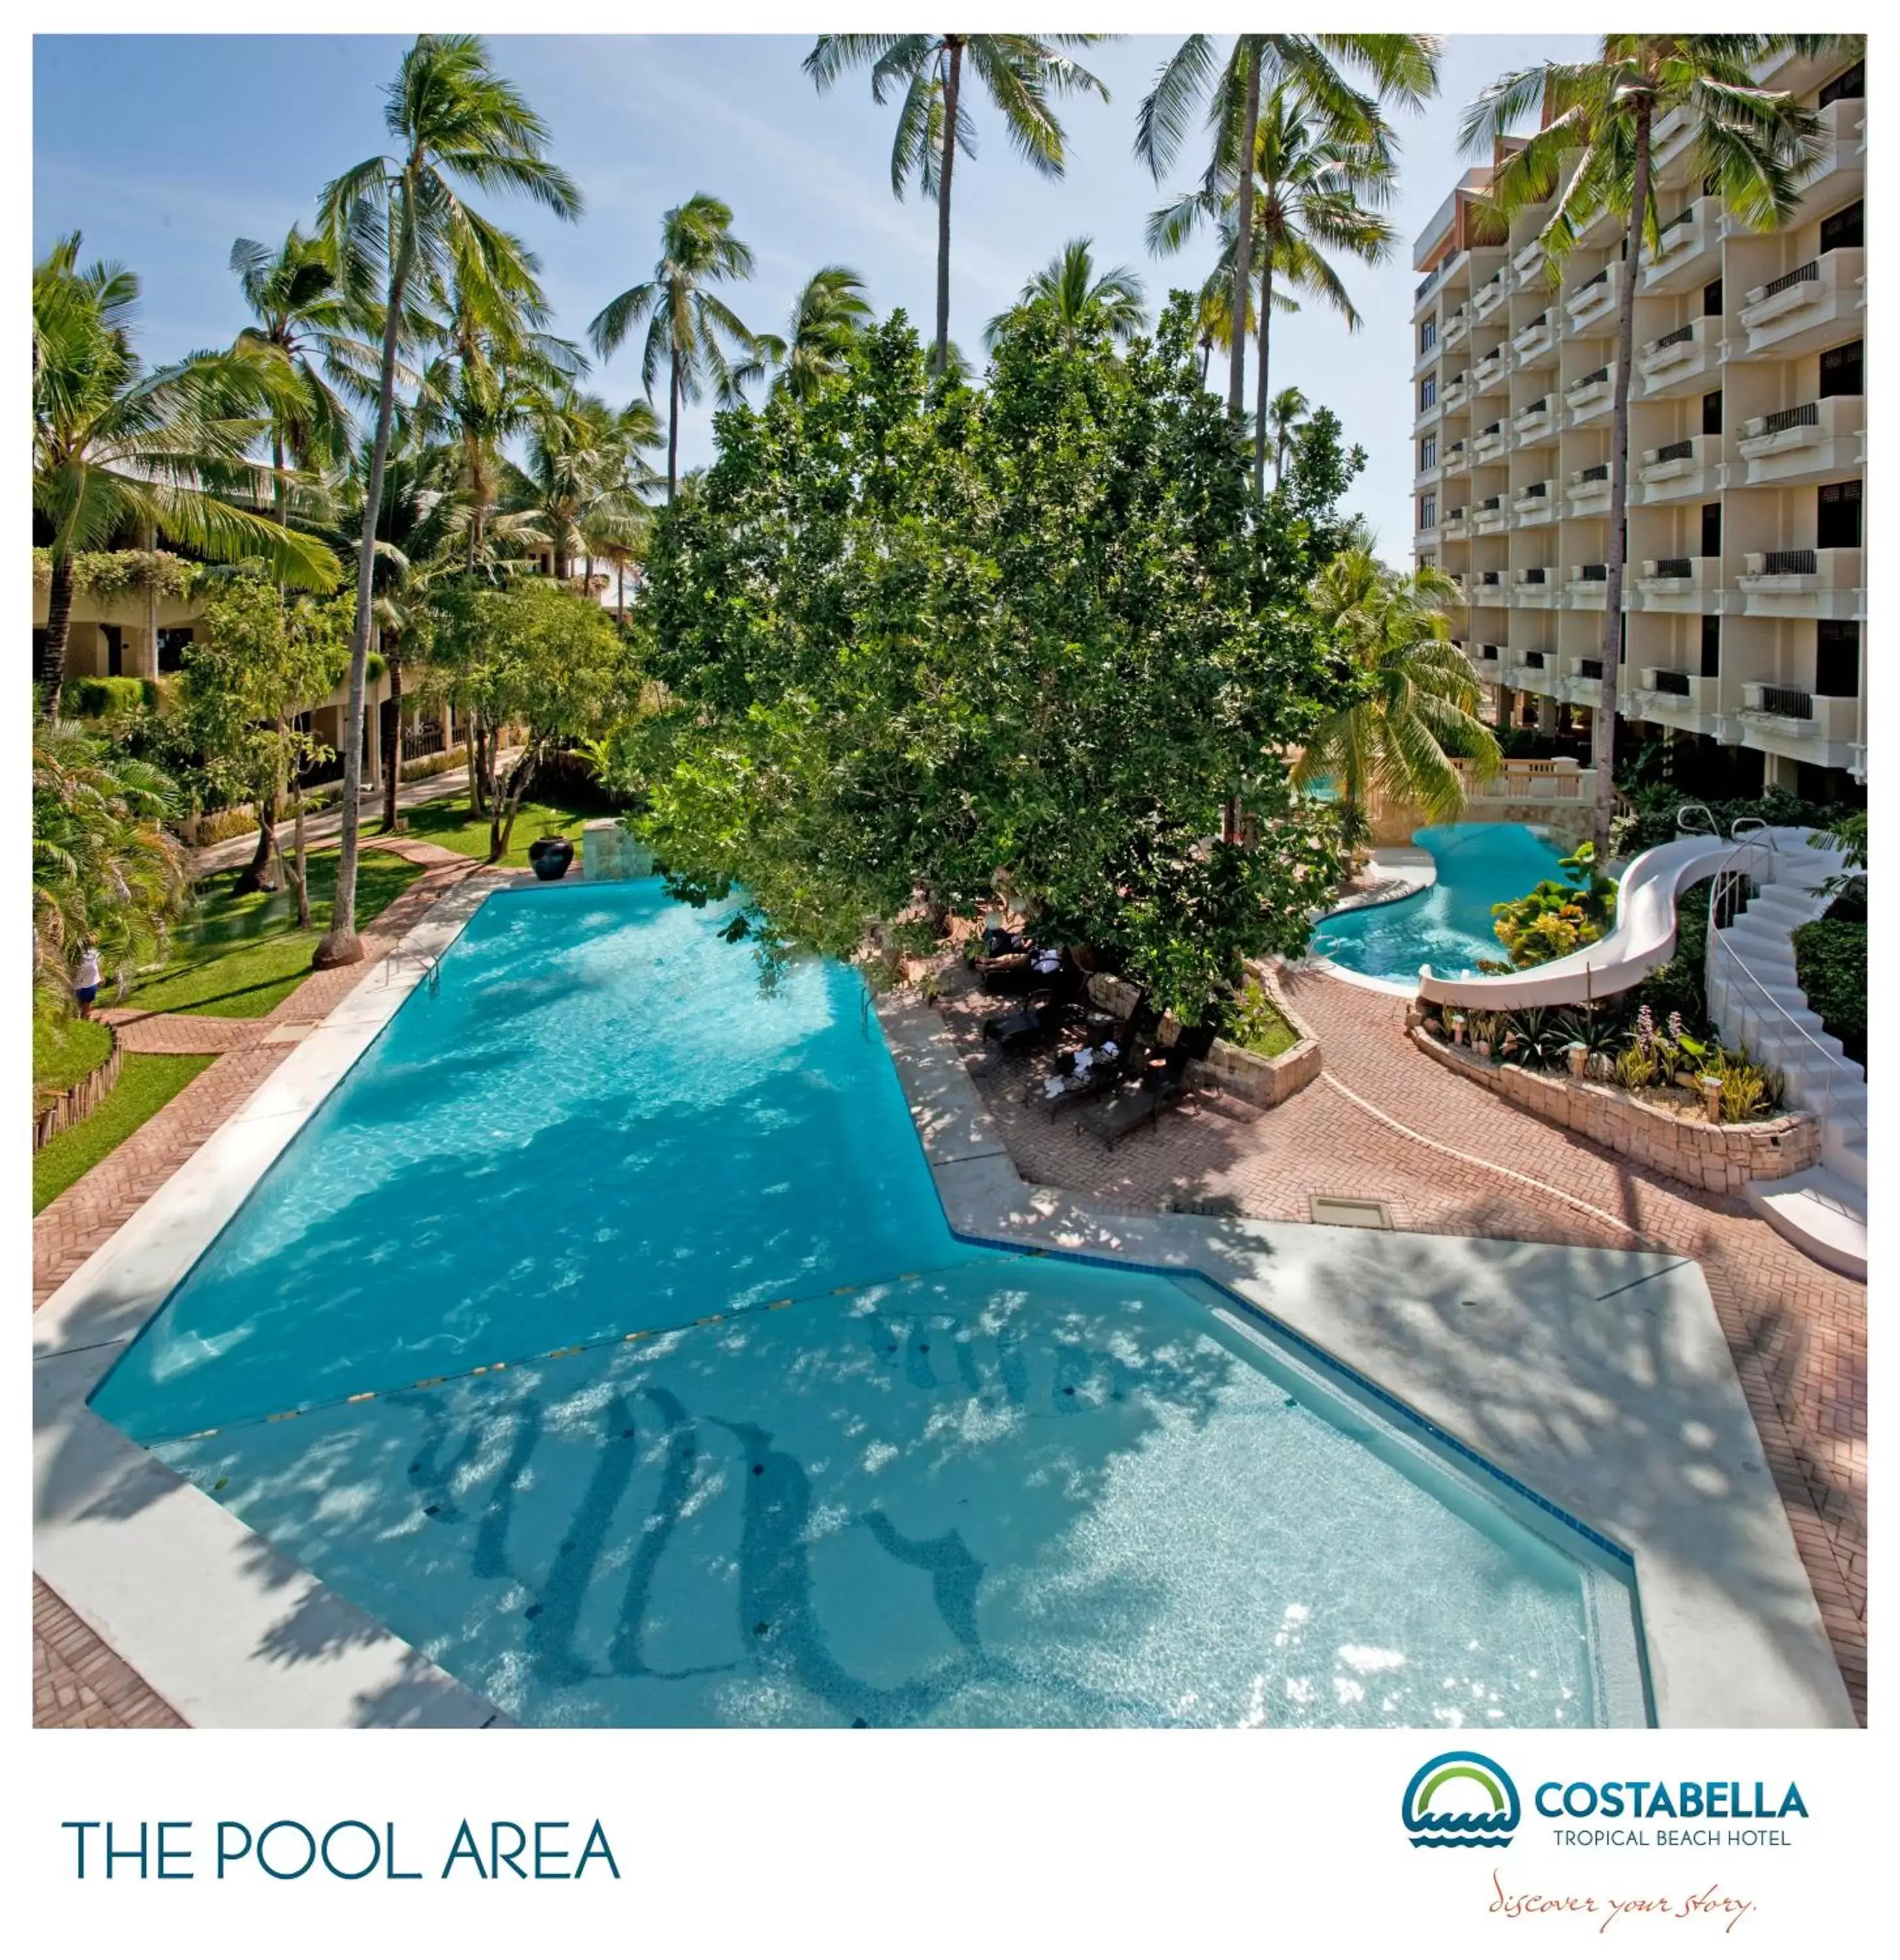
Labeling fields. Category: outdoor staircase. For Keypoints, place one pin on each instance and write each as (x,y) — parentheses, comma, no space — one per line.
(1756,1000)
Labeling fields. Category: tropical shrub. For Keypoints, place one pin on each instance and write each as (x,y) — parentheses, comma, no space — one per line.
(103,697)
(1559,916)
(1253,1022)
(1652,821)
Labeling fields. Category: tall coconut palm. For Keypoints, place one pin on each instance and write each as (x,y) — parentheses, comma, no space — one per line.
(1020,73)
(1070,290)
(400,217)
(829,313)
(1419,707)
(1402,68)
(688,327)
(118,449)
(1591,156)
(1285,416)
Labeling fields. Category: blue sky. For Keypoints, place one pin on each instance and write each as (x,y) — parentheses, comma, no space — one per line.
(162,150)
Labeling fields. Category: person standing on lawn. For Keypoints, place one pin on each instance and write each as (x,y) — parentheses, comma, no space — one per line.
(85,980)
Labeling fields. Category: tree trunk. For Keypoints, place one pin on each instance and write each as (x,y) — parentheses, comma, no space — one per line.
(53,657)
(672,428)
(953,89)
(1243,240)
(1603,744)
(507,802)
(1265,334)
(392,752)
(620,602)
(297,879)
(340,946)
(1206,359)
(478,803)
(257,875)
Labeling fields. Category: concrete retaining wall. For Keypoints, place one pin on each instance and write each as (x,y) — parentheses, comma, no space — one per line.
(1712,1156)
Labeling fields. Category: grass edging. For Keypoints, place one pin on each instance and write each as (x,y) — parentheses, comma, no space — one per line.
(146,1083)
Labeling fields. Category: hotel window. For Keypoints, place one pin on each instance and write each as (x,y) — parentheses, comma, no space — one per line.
(1850,85)
(1847,227)
(1428,392)
(1711,645)
(1428,510)
(1838,519)
(172,642)
(1426,560)
(1428,453)
(1712,299)
(1712,412)
(1843,370)
(1427,336)
(1837,657)
(1711,530)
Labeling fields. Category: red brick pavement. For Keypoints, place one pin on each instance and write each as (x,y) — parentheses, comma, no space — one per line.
(1471,1165)
(78,1682)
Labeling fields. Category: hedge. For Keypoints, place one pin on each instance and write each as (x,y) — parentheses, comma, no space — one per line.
(1830,962)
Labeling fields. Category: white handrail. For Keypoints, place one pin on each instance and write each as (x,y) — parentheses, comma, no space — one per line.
(1726,950)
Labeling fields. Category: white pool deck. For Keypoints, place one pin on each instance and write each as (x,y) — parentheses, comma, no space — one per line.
(1600,1380)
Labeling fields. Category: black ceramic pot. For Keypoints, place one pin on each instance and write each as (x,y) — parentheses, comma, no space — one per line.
(550,857)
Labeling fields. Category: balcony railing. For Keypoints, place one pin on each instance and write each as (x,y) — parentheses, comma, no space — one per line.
(1532,659)
(1673,568)
(1811,270)
(1492,579)
(1675,452)
(1593,574)
(1788,564)
(1589,381)
(1796,703)
(1590,670)
(1805,416)
(1595,279)
(1534,576)
(1668,681)
(1425,284)
(1681,334)
(1489,504)
(1595,472)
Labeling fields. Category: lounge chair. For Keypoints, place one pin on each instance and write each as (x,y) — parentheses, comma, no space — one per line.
(1116,1116)
(1029,1027)
(1105,1079)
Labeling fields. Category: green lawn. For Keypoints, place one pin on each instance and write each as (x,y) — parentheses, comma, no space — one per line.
(146,1083)
(62,1056)
(446,821)
(241,956)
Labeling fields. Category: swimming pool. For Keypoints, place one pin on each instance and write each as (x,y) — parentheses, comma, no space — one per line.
(639,1380)
(1448,925)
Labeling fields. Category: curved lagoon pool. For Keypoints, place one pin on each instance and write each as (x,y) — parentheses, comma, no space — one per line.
(639,1380)
(1449,924)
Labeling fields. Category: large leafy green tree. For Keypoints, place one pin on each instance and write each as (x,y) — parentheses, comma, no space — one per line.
(1315,195)
(1076,296)
(1420,704)
(920,645)
(163,453)
(1401,68)
(1023,74)
(400,217)
(1591,156)
(688,327)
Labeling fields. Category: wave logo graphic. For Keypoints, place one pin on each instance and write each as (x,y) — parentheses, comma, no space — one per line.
(1461,1798)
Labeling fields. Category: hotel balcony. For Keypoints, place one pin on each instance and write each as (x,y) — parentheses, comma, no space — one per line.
(1581,681)
(1489,372)
(1682,362)
(1678,471)
(1820,728)
(1455,391)
(1586,587)
(1491,294)
(1489,516)
(1535,344)
(1591,395)
(1533,423)
(1595,299)
(1679,585)
(1486,663)
(1535,586)
(1454,327)
(1810,443)
(1532,507)
(1528,779)
(1687,701)
(1669,139)
(1489,442)
(1456,458)
(1486,588)
(1804,309)
(1532,668)
(1427,418)
(1804,585)
(1843,162)
(1588,490)
(1426,538)
(1451,527)
(1428,477)
(1527,262)
(1687,250)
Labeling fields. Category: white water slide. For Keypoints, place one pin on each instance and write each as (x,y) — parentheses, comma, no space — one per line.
(1643,939)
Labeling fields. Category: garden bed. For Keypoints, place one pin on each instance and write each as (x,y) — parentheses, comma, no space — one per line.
(1678,1141)
(1250,1074)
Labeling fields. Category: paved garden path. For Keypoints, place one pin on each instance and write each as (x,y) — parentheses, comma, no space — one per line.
(1384,1121)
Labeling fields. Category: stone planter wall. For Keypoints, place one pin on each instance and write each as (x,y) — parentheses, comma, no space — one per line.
(1712,1156)
(609,850)
(70,1105)
(1261,1079)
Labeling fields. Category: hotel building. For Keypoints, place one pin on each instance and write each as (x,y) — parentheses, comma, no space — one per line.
(1745,594)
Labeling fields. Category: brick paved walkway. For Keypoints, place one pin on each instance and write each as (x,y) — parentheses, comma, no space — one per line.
(78,1681)
(1386,1123)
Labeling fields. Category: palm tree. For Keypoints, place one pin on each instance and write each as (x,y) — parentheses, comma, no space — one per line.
(1019,72)
(1285,416)
(1421,701)
(686,324)
(396,218)
(1310,197)
(1592,154)
(1069,289)
(1402,68)
(116,449)
(829,313)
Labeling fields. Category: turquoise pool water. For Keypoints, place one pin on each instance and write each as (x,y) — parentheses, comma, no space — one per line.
(1448,925)
(897,1480)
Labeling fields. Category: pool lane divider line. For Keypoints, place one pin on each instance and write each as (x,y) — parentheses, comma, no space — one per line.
(559,1354)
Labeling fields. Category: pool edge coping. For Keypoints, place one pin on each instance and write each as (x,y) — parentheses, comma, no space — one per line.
(1711,1663)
